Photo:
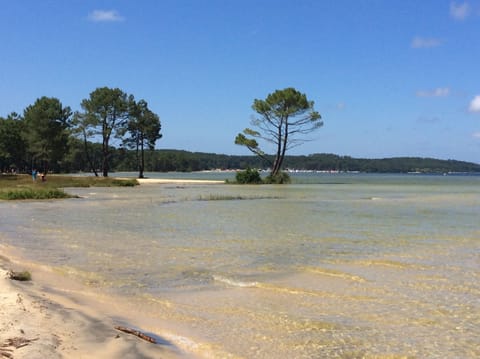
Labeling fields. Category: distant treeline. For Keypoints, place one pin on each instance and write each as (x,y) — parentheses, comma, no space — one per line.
(123,159)
(184,161)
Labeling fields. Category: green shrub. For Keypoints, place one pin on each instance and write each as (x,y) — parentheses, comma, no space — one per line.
(280,178)
(249,176)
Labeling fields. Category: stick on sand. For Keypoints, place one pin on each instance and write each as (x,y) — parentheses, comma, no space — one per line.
(137,333)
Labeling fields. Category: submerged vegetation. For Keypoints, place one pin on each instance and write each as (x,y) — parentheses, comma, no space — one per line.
(222,197)
(20,276)
(18,187)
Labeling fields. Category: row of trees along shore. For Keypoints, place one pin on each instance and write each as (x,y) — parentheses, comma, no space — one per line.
(114,132)
(51,138)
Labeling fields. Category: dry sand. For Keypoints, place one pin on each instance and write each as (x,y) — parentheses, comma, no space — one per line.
(177,181)
(40,322)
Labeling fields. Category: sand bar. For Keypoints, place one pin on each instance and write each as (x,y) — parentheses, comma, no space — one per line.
(176,181)
(49,322)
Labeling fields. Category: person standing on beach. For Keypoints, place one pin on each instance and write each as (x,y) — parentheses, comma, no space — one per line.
(34,174)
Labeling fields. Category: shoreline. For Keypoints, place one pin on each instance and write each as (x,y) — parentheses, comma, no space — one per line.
(176,181)
(44,319)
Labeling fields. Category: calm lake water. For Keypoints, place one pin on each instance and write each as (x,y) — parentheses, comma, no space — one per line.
(339,266)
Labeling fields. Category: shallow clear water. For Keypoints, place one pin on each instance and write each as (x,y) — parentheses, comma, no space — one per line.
(345,266)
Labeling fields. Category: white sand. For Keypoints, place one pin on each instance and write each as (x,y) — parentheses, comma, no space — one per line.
(63,326)
(177,181)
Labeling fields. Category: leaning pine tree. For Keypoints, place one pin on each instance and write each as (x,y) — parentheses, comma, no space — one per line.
(285,118)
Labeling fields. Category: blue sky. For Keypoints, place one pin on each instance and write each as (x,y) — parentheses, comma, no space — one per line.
(390,78)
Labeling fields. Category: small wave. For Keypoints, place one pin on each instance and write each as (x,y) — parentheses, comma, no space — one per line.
(235,283)
(390,263)
(334,273)
(296,291)
(205,350)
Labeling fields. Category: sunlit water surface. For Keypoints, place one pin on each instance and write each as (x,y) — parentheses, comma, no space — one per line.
(345,266)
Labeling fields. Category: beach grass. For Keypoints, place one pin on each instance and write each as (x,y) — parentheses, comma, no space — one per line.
(222,197)
(21,187)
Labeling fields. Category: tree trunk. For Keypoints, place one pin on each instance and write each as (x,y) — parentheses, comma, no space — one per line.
(105,157)
(277,161)
(284,147)
(105,164)
(87,154)
(142,161)
(281,147)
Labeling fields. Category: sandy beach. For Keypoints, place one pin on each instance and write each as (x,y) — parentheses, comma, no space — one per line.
(51,322)
(176,181)
(44,319)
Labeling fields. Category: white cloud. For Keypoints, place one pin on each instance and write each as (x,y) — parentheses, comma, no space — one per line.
(438,92)
(340,106)
(105,16)
(475,104)
(422,42)
(476,135)
(459,11)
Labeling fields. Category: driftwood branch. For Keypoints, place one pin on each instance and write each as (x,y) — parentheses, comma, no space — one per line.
(137,333)
(16,342)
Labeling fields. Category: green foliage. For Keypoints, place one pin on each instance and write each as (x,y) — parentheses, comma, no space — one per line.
(12,143)
(249,176)
(144,128)
(20,187)
(106,113)
(38,139)
(33,193)
(279,178)
(124,183)
(46,136)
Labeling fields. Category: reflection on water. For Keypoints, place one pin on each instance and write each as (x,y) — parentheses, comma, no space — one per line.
(350,267)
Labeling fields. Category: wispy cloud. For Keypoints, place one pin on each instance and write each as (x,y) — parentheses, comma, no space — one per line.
(105,16)
(429,120)
(424,42)
(475,104)
(476,135)
(459,11)
(438,92)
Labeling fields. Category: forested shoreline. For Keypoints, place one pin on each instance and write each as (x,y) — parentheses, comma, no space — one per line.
(171,160)
(185,161)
